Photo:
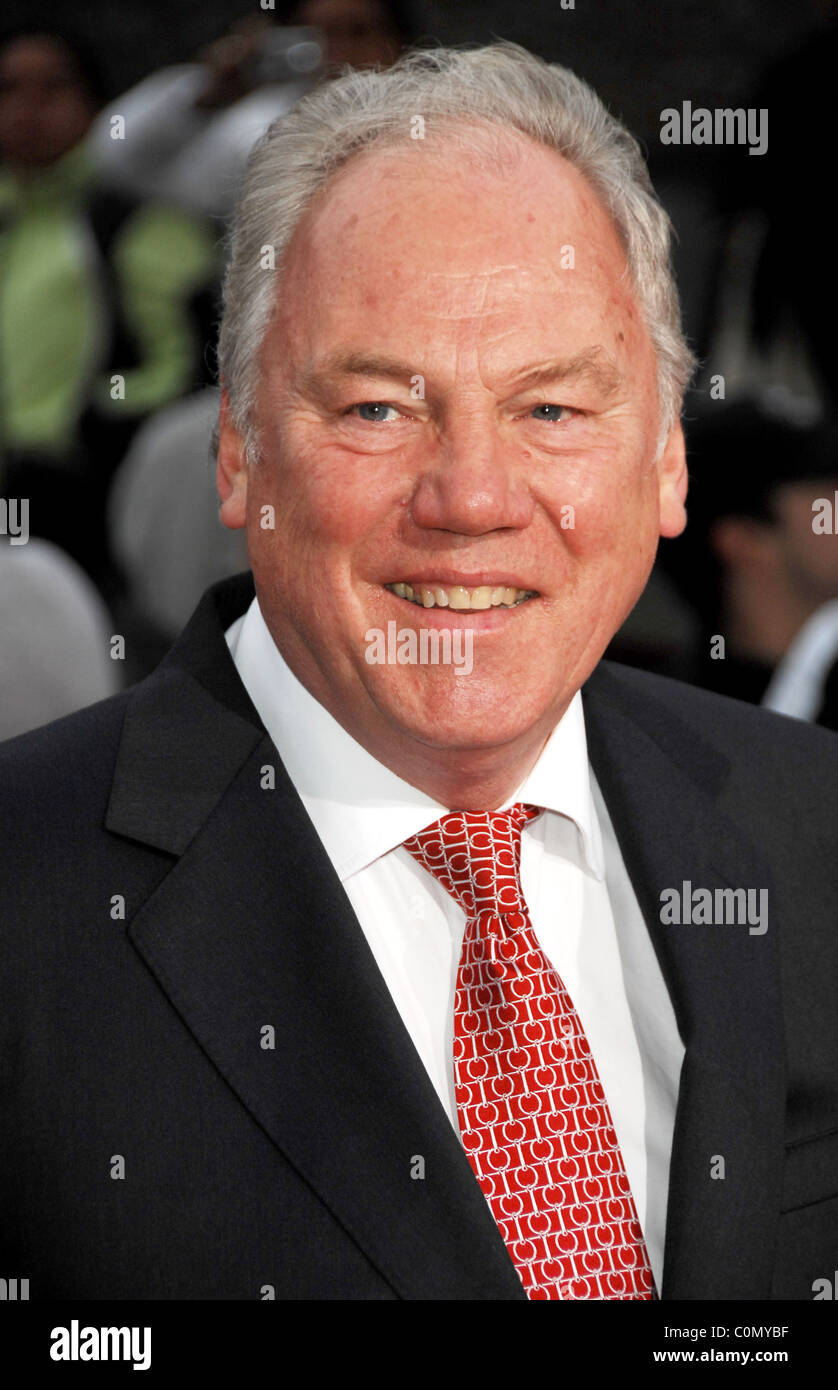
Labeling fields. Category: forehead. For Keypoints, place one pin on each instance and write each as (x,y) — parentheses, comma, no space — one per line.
(444,240)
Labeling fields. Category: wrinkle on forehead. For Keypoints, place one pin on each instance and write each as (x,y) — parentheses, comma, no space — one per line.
(454,294)
(465,264)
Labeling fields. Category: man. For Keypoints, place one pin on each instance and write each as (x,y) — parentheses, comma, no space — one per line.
(190,127)
(283,1017)
(760,560)
(104,302)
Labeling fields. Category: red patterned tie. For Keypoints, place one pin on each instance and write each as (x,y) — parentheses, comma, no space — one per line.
(534,1120)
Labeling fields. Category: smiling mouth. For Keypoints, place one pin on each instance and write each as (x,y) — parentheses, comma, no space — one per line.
(459,598)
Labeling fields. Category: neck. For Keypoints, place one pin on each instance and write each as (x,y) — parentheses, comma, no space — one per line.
(463,779)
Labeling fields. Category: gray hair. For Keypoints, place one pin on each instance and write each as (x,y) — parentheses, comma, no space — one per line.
(499,85)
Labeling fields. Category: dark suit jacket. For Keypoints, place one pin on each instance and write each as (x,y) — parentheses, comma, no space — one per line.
(249,1168)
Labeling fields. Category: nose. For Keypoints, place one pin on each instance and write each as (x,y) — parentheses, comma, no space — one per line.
(473,484)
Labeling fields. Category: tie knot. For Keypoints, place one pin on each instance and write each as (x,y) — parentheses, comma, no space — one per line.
(476,855)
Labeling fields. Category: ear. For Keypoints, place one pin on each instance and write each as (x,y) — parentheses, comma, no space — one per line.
(231,470)
(672,481)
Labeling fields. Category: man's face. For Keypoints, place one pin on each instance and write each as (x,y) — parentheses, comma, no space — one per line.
(406,440)
(44,107)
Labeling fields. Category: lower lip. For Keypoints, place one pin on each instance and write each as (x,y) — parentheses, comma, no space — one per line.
(477,619)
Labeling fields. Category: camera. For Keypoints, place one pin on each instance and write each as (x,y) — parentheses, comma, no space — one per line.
(291,53)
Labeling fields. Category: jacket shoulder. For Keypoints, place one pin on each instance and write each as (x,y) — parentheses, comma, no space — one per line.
(718,718)
(63,764)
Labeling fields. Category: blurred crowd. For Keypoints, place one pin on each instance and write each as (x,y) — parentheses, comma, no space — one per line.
(113,215)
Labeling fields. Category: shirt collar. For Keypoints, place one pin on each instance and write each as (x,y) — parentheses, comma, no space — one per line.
(360,808)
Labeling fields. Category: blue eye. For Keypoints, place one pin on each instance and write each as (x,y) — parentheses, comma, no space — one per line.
(372,405)
(550,419)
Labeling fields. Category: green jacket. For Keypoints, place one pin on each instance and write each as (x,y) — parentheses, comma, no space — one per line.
(97,297)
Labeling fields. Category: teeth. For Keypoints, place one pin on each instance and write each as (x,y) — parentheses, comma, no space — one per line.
(461,599)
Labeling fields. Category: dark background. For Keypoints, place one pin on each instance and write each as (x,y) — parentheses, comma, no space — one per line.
(640,56)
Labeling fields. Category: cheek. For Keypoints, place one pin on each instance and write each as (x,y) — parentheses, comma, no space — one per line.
(330,515)
(614,512)
(817,555)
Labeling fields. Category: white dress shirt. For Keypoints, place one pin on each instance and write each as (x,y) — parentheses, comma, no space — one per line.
(796,687)
(178,152)
(582,907)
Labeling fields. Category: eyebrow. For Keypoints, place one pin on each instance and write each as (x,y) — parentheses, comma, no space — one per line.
(358,364)
(594,365)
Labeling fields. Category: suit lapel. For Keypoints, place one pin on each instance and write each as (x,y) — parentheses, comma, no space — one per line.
(251,929)
(665,794)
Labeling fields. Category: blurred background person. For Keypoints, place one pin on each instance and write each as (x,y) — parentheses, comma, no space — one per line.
(164,526)
(55,638)
(106,304)
(756,561)
(189,128)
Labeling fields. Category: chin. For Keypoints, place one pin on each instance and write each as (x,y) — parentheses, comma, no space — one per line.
(462,714)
